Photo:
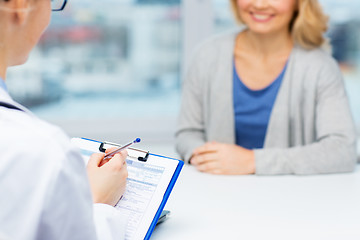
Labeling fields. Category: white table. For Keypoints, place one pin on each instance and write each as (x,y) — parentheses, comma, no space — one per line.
(252,207)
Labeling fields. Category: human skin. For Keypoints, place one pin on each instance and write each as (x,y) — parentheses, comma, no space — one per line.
(266,44)
(22,23)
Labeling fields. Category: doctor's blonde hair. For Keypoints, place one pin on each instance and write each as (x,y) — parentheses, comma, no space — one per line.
(308,25)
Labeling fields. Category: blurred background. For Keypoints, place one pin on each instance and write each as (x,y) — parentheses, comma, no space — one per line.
(112,69)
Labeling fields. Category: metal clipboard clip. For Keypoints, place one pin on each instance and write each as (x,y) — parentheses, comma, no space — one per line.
(140,155)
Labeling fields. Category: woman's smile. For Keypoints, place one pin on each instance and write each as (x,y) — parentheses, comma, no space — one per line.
(261,17)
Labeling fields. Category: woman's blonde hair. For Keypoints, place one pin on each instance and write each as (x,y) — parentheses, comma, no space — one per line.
(307,26)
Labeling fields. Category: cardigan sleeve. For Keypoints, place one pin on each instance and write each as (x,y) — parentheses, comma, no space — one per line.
(334,148)
(190,132)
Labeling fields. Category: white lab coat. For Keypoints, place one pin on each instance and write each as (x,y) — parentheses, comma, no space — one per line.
(44,189)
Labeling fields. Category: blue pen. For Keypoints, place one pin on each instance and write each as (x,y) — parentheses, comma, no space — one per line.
(111,154)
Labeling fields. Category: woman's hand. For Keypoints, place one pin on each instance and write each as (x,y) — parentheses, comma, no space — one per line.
(107,180)
(220,158)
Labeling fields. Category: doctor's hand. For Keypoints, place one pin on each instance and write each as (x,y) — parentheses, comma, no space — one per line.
(220,158)
(107,180)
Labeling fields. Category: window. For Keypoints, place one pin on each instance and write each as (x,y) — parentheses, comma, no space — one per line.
(112,69)
(106,69)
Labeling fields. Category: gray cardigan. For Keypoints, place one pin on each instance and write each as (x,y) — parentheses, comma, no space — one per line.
(310,131)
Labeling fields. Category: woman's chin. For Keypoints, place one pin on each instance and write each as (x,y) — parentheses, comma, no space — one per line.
(261,30)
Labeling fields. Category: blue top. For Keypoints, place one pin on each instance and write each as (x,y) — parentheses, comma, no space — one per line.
(2,84)
(252,110)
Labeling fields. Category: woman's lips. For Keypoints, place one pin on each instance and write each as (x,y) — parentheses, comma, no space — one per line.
(261,17)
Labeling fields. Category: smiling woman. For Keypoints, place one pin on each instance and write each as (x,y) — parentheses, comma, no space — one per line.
(307,23)
(267,99)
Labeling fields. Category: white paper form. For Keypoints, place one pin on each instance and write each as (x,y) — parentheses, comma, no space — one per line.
(146,185)
(141,184)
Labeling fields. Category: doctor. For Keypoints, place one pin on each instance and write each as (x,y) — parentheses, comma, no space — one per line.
(46,192)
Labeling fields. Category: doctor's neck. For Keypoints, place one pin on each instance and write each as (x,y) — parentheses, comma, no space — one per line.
(3,66)
(3,59)
(4,49)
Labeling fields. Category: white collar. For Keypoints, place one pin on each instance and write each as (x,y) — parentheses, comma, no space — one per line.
(5,97)
(2,84)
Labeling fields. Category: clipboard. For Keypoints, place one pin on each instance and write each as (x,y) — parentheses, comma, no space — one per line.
(140,160)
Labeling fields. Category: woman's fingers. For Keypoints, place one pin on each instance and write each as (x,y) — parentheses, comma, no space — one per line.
(203,158)
(206,148)
(209,167)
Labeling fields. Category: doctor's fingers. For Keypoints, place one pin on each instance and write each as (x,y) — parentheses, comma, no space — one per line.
(95,159)
(109,150)
(117,162)
(116,168)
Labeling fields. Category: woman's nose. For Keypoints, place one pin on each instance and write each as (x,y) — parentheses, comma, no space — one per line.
(260,3)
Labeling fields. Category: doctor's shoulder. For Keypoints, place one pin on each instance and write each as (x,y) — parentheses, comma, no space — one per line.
(29,139)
